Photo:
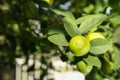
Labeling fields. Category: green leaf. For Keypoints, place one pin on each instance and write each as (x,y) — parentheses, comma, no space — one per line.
(91,22)
(115,20)
(82,19)
(99,46)
(69,22)
(116,35)
(71,27)
(64,13)
(30,10)
(55,30)
(116,58)
(58,39)
(70,56)
(93,60)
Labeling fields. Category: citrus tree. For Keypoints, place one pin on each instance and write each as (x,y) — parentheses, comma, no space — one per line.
(84,33)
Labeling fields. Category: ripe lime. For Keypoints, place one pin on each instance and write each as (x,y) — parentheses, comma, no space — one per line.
(95,35)
(79,45)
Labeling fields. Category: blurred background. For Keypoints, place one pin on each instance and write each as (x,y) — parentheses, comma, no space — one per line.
(25,52)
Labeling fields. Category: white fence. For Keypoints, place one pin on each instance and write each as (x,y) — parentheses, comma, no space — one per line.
(63,71)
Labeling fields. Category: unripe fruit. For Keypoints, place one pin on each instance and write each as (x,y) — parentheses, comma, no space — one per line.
(16,27)
(95,35)
(84,68)
(79,45)
(107,67)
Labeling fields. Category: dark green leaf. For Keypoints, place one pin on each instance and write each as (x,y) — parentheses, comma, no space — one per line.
(30,10)
(115,5)
(99,46)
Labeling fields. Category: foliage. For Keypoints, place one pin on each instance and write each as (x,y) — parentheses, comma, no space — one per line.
(39,26)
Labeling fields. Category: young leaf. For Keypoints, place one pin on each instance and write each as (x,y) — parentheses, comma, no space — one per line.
(93,60)
(91,22)
(58,39)
(99,46)
(70,27)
